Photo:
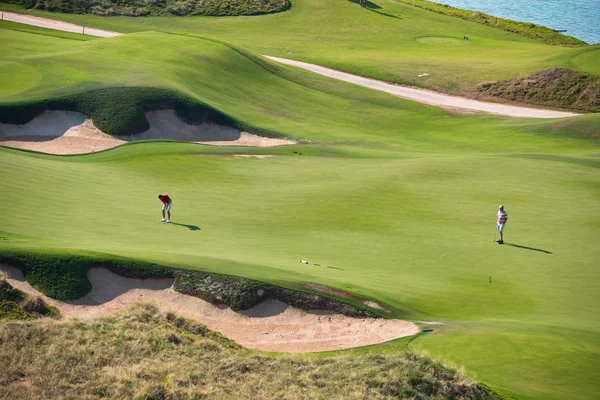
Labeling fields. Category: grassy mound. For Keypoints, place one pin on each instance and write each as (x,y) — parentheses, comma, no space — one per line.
(17,305)
(120,110)
(555,87)
(63,276)
(140,8)
(531,30)
(389,47)
(141,354)
(119,78)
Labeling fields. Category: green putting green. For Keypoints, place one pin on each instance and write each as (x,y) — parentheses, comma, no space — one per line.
(401,196)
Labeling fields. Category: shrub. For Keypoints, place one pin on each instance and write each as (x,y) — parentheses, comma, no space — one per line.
(8,293)
(158,7)
(63,276)
(38,307)
(17,305)
(120,110)
(242,293)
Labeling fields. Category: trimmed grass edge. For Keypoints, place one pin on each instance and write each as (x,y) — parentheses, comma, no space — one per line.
(63,276)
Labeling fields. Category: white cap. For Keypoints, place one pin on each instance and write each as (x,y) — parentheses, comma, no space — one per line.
(500,206)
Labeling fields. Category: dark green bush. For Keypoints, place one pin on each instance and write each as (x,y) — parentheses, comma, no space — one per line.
(10,310)
(63,276)
(238,293)
(120,110)
(135,8)
(17,305)
(8,293)
(242,293)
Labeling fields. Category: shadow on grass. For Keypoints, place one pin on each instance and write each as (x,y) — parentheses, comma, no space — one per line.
(374,7)
(190,227)
(528,248)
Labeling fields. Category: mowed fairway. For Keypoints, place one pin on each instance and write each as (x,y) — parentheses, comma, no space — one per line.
(413,233)
(401,196)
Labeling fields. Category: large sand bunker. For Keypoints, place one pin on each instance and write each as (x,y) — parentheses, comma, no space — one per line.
(66,132)
(271,325)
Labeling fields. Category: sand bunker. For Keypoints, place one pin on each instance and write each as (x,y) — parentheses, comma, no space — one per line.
(271,325)
(66,132)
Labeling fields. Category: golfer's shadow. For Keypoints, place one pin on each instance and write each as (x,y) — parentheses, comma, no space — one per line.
(528,248)
(369,5)
(190,227)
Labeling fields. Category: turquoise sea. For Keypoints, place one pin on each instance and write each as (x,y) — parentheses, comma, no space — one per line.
(581,18)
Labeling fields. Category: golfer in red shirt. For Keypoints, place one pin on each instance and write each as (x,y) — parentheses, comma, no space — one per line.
(167,204)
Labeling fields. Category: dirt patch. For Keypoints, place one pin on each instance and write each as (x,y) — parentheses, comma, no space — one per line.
(66,132)
(326,289)
(343,295)
(459,111)
(374,305)
(271,325)
(253,156)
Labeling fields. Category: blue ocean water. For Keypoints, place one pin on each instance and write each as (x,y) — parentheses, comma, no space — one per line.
(581,18)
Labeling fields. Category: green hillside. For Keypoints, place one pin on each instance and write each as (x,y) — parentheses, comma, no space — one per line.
(389,40)
(141,8)
(400,195)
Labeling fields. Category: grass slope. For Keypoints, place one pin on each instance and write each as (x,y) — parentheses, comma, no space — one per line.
(388,40)
(528,29)
(63,276)
(141,354)
(141,8)
(407,233)
(252,93)
(400,195)
(553,88)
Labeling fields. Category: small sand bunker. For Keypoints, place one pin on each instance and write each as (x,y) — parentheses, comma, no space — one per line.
(66,132)
(271,325)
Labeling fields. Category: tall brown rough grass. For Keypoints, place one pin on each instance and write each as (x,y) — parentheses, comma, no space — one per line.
(141,354)
(554,87)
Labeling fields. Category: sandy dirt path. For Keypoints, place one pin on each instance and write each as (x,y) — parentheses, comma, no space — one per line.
(271,325)
(418,95)
(58,25)
(427,96)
